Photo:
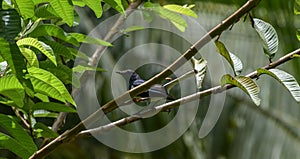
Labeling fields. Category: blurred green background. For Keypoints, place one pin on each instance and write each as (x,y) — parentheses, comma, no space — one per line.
(243,130)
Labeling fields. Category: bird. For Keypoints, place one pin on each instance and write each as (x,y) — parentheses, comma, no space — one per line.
(134,80)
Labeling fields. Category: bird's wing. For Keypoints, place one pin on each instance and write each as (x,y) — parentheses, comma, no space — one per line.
(157,91)
(137,83)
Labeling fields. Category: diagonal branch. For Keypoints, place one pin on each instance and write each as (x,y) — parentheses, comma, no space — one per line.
(225,24)
(183,100)
(93,62)
(94,59)
(110,106)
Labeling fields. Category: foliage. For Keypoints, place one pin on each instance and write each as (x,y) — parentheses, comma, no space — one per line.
(34,87)
(37,87)
(170,12)
(233,60)
(287,80)
(18,140)
(269,37)
(244,83)
(200,67)
(29,30)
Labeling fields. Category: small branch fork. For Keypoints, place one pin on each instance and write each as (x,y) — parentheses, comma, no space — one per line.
(110,106)
(183,100)
(94,59)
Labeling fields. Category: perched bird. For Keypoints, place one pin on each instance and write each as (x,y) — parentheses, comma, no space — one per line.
(135,80)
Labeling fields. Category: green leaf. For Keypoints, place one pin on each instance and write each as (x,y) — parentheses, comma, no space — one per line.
(9,143)
(297,7)
(46,11)
(64,9)
(30,27)
(55,31)
(36,2)
(287,80)
(238,65)
(176,19)
(149,4)
(42,130)
(16,61)
(81,69)
(244,83)
(6,4)
(26,8)
(95,5)
(87,39)
(189,6)
(12,88)
(200,70)
(178,26)
(42,47)
(7,102)
(79,3)
(60,50)
(51,106)
(10,24)
(233,60)
(42,97)
(61,71)
(44,114)
(225,53)
(30,57)
(11,53)
(5,50)
(79,54)
(298,35)
(46,83)
(181,9)
(19,135)
(117,5)
(268,35)
(133,28)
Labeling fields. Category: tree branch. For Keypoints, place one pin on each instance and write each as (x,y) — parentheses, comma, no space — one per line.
(110,106)
(21,117)
(93,61)
(183,100)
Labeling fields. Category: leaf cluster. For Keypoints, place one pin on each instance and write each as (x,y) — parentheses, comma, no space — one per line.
(36,66)
(36,59)
(269,39)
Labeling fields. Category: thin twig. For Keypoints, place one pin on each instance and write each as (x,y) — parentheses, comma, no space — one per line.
(186,56)
(110,106)
(69,134)
(94,59)
(172,83)
(112,32)
(183,100)
(60,119)
(21,117)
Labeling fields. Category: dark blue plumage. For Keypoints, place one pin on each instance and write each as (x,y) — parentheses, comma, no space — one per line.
(135,80)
